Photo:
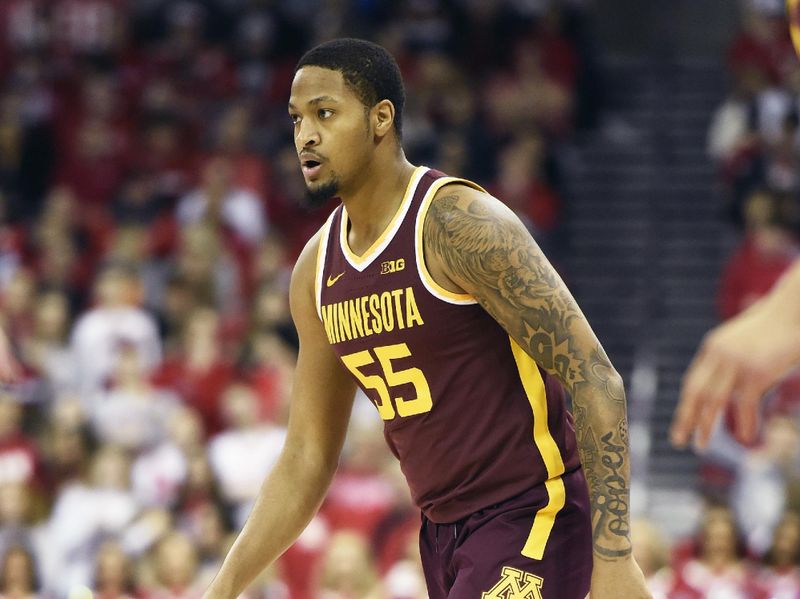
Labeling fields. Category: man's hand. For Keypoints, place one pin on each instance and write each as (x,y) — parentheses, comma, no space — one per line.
(618,578)
(737,363)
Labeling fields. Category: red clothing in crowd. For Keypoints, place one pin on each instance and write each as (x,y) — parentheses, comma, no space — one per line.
(200,389)
(559,59)
(695,580)
(267,382)
(538,203)
(358,501)
(749,274)
(771,57)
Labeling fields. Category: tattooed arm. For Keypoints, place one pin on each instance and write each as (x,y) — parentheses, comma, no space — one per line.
(475,244)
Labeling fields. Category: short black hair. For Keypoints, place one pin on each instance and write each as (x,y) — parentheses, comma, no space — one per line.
(368,69)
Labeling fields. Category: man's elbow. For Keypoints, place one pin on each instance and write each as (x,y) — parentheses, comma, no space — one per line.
(310,458)
(610,384)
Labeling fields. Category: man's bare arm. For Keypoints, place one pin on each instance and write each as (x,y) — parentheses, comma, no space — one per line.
(322,399)
(480,246)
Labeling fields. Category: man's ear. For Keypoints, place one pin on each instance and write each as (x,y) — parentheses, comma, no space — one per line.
(383,117)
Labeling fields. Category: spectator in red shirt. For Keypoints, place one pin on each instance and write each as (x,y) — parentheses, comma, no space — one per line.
(269,367)
(361,495)
(94,165)
(762,43)
(522,185)
(765,253)
(200,372)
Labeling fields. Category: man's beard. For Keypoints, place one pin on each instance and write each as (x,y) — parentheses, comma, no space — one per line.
(318,196)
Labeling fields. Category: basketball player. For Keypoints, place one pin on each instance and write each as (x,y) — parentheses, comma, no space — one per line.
(738,362)
(431,296)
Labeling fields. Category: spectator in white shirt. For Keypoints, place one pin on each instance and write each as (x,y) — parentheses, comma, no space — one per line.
(115,322)
(133,413)
(84,513)
(241,456)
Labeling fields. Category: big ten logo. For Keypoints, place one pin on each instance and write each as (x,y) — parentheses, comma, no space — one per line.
(391,266)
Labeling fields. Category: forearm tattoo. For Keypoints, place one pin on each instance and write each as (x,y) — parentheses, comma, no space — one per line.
(502,267)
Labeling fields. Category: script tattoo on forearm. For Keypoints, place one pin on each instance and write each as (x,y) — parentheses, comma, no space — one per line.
(513,281)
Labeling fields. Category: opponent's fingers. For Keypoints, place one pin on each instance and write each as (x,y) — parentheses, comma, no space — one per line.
(717,394)
(748,403)
(691,397)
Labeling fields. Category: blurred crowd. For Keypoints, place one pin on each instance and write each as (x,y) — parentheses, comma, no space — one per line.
(151,207)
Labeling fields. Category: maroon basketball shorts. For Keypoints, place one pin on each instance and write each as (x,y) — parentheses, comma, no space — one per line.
(481,556)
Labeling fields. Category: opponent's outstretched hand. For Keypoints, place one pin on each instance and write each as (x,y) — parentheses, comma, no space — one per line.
(618,578)
(737,363)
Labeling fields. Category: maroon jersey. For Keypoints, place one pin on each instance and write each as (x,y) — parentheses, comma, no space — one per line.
(471,417)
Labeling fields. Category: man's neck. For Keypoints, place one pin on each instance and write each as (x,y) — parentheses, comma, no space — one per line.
(372,205)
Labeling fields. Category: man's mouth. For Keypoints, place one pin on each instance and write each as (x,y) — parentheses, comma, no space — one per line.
(311,167)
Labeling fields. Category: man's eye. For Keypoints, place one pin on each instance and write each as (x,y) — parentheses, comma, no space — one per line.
(295,118)
(324,113)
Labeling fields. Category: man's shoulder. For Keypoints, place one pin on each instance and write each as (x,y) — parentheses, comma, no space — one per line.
(461,192)
(463,201)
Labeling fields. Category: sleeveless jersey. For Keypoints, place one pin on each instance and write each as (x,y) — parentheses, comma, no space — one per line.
(471,417)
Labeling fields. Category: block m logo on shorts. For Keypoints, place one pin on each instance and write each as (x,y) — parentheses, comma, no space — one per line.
(516,584)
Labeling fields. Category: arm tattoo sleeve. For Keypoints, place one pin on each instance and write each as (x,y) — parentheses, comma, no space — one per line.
(485,249)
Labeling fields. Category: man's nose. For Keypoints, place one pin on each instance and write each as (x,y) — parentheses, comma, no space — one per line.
(308,134)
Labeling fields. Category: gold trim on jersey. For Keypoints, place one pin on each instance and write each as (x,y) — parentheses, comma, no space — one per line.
(322,250)
(534,387)
(361,262)
(436,290)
